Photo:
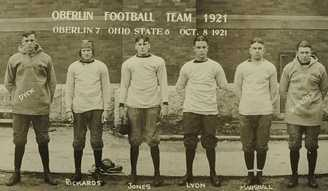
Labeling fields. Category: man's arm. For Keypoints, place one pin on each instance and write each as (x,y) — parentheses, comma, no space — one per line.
(238,82)
(221,79)
(324,83)
(182,81)
(10,77)
(105,87)
(52,82)
(162,79)
(125,83)
(273,84)
(284,83)
(69,90)
(181,85)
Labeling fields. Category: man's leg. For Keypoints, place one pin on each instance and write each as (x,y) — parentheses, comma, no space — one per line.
(294,159)
(20,128)
(209,142)
(249,161)
(19,153)
(151,133)
(79,133)
(78,163)
(134,154)
(44,153)
(262,139)
(97,175)
(154,151)
(155,155)
(312,160)
(96,132)
(295,143)
(135,116)
(247,138)
(190,155)
(210,154)
(311,144)
(41,126)
(191,125)
(260,162)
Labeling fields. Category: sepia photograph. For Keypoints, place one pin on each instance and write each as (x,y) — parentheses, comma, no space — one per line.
(192,95)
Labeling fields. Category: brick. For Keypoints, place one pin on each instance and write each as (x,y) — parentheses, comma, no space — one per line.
(176,50)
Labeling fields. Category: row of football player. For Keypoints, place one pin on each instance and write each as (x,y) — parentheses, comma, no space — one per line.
(30,78)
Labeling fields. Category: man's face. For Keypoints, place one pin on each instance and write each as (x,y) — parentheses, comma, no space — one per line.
(29,42)
(142,47)
(86,53)
(304,54)
(201,49)
(256,51)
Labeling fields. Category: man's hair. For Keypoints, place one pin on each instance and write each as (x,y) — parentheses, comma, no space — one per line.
(144,38)
(200,38)
(257,40)
(303,43)
(28,33)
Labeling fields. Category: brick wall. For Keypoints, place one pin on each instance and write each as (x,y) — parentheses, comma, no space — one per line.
(43,8)
(229,51)
(265,7)
(233,50)
(176,50)
(27,8)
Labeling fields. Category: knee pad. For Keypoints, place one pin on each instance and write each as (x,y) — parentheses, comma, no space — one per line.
(294,150)
(96,145)
(311,146)
(20,143)
(209,141)
(312,150)
(153,143)
(248,148)
(294,147)
(261,149)
(190,141)
(78,145)
(135,142)
(42,141)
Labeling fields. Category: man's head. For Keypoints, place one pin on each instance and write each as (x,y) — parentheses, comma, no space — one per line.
(29,41)
(142,46)
(304,51)
(200,47)
(87,50)
(256,49)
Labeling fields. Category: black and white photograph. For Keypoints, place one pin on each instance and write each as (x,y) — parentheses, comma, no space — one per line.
(192,95)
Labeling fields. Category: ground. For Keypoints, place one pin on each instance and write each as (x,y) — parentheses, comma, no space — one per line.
(33,182)
(230,164)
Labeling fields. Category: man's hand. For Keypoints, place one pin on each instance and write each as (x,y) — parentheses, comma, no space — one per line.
(164,111)
(279,116)
(122,112)
(105,116)
(325,116)
(70,116)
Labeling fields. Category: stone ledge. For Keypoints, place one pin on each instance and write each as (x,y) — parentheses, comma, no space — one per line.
(227,103)
(227,106)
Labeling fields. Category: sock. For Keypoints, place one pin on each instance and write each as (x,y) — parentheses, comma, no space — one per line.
(154,151)
(134,154)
